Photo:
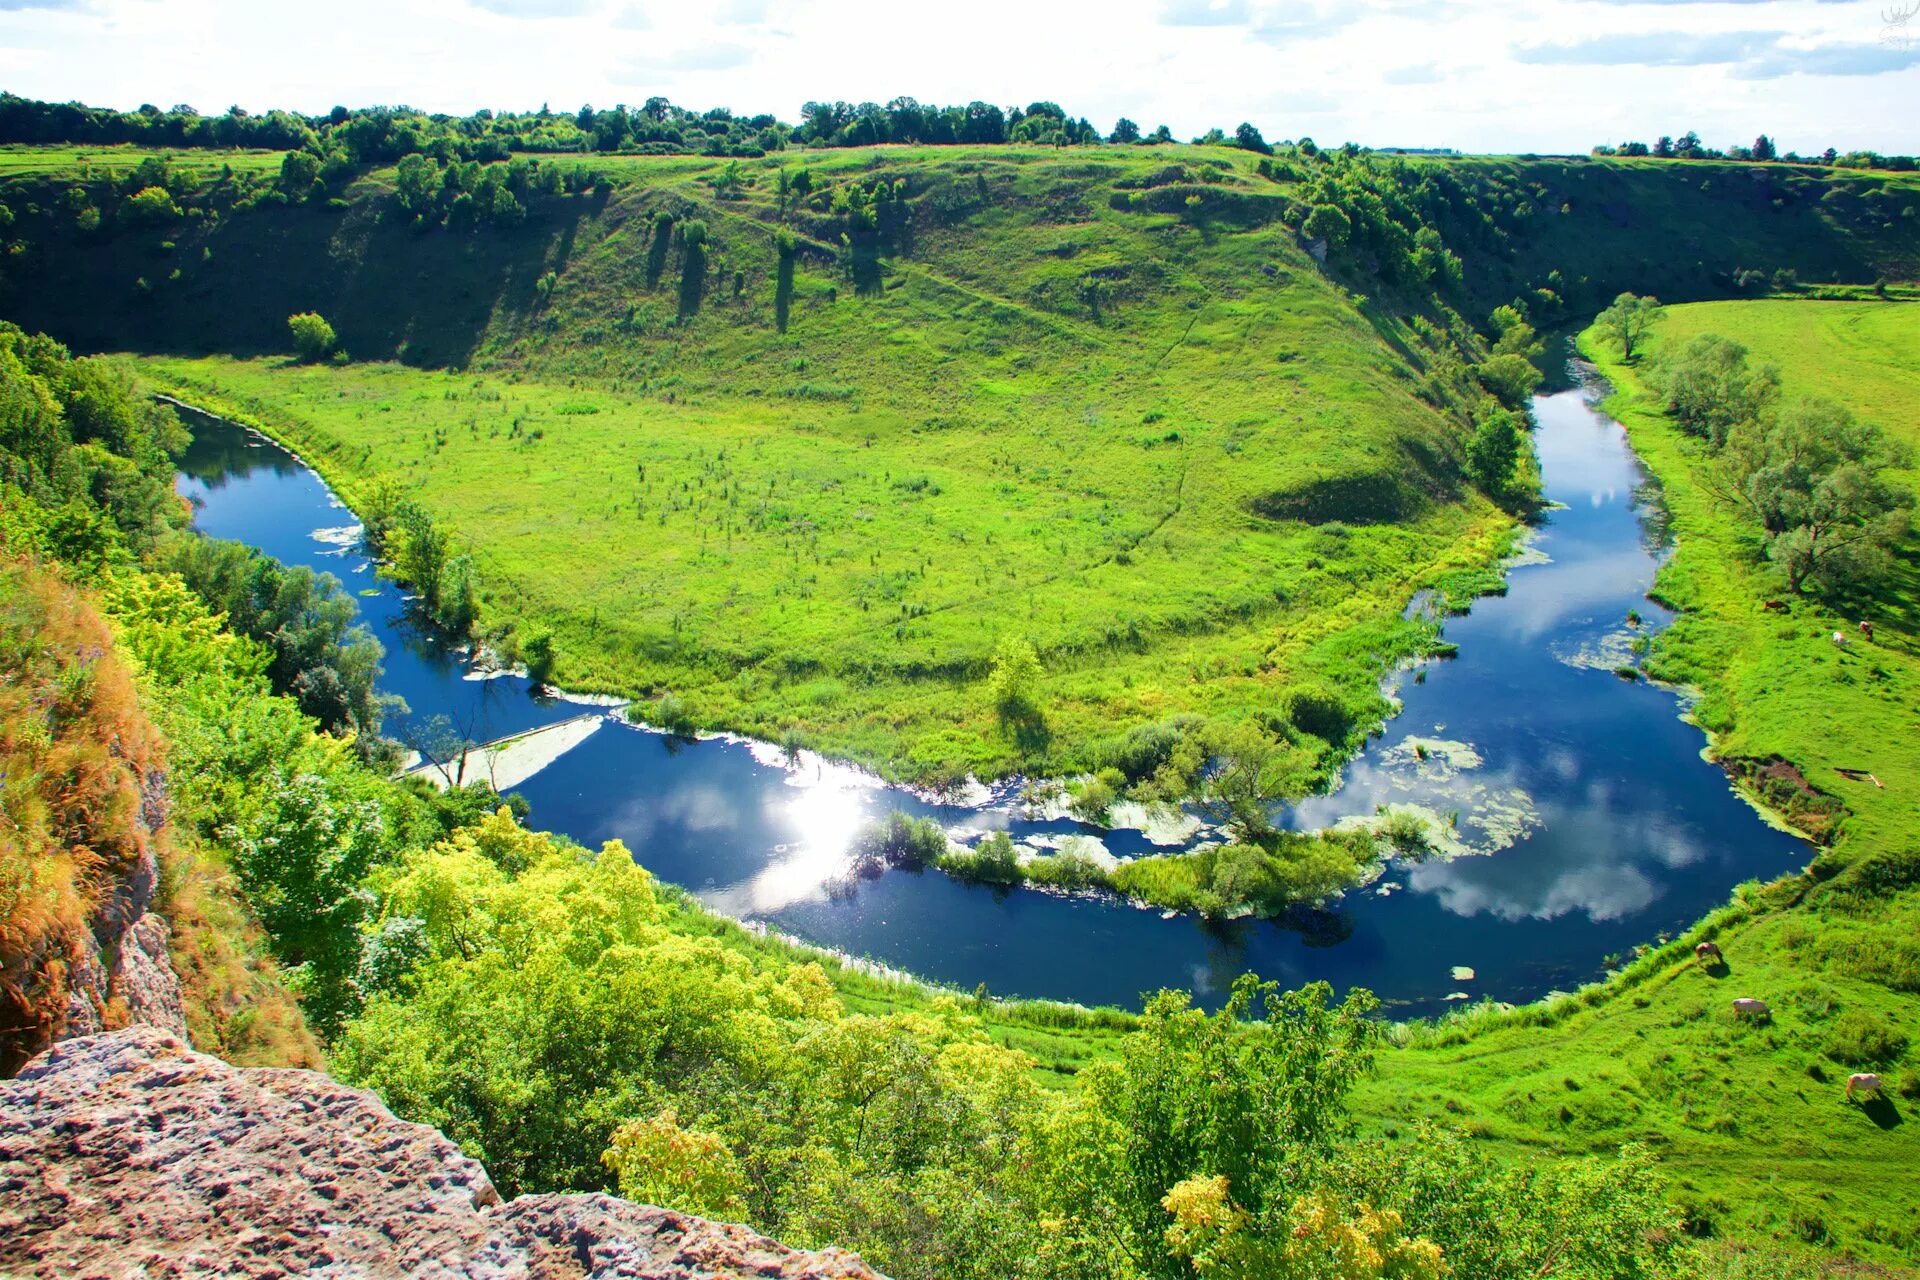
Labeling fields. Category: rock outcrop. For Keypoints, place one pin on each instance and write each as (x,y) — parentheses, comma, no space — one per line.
(129,1155)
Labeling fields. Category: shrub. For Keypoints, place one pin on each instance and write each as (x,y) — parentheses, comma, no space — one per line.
(1096,796)
(1859,1039)
(313,337)
(898,841)
(150,205)
(993,861)
(1068,869)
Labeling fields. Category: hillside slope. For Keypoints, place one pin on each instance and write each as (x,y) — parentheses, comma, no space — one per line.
(1104,403)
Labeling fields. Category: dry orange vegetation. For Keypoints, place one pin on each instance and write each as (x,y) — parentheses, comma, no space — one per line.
(79,772)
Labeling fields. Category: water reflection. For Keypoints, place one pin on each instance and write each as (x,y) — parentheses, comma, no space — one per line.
(1588,821)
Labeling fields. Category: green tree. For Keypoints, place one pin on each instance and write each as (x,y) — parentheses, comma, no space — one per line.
(658,1161)
(1124,131)
(313,337)
(298,169)
(1628,321)
(537,651)
(152,205)
(1248,138)
(1255,1094)
(1814,476)
(419,551)
(1509,377)
(1013,685)
(417,183)
(1328,222)
(1494,451)
(301,858)
(1710,387)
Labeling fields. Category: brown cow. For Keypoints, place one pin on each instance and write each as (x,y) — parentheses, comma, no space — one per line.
(1708,953)
(1748,1007)
(1866,1082)
(1866,628)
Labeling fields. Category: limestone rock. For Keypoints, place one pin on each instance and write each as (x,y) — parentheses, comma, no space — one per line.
(128,1155)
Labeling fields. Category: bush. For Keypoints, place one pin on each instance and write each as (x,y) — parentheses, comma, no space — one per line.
(313,337)
(151,205)
(1068,869)
(1859,1039)
(993,861)
(898,841)
(1096,796)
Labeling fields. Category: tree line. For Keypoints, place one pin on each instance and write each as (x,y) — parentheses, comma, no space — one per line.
(1815,479)
(1688,146)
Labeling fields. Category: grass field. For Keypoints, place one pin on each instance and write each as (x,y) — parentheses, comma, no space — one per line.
(83,164)
(824,526)
(1750,1120)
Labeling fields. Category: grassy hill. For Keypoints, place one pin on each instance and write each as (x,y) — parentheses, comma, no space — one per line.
(1099,399)
(1750,1120)
(809,495)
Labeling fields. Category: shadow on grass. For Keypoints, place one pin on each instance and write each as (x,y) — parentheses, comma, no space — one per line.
(1882,1112)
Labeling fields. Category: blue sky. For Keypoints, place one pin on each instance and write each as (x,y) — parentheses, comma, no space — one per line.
(1500,75)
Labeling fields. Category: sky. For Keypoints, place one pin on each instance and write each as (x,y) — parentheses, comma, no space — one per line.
(1491,75)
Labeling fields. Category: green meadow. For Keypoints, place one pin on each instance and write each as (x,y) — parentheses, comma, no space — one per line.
(811,501)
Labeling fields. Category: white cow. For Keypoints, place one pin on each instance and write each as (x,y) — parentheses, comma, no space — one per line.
(1865,1083)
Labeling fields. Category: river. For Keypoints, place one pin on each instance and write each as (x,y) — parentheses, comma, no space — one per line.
(1587,818)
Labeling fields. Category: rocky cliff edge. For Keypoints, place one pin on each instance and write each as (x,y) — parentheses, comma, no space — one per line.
(129,1155)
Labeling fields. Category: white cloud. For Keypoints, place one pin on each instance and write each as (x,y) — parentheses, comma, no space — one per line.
(534,8)
(1497,75)
(1203,13)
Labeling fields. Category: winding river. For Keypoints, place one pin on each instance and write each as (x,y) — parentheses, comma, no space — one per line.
(1587,820)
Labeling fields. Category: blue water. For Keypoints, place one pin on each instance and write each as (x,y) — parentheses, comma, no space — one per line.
(1595,824)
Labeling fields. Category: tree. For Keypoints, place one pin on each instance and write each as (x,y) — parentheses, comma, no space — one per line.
(313,337)
(298,171)
(1813,476)
(1510,377)
(1013,684)
(1124,130)
(1628,321)
(537,650)
(1763,148)
(416,183)
(1254,1094)
(1248,138)
(1711,388)
(687,1170)
(1494,451)
(1014,680)
(150,205)
(1328,222)
(301,857)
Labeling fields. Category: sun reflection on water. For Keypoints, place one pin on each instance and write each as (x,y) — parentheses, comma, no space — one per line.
(824,820)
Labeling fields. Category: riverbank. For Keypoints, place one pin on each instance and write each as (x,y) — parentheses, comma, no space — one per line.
(1751,1121)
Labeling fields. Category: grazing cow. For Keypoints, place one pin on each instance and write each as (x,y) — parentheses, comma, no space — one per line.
(1866,1083)
(1840,639)
(1708,953)
(1748,1007)
(1866,628)
(1775,606)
